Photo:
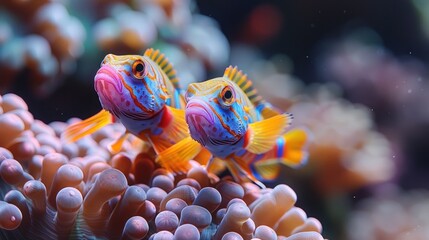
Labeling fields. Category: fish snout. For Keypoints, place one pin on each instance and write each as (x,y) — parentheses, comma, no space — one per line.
(107,84)
(198,107)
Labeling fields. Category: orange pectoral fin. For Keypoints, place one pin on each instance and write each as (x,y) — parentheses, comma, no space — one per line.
(216,166)
(174,124)
(176,158)
(262,135)
(88,126)
(203,157)
(116,145)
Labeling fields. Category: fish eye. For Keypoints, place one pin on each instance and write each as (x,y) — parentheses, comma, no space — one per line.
(138,69)
(227,96)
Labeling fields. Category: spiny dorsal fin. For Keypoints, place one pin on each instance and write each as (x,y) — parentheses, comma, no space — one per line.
(166,66)
(237,76)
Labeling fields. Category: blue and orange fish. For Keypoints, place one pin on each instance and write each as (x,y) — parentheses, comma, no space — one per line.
(230,119)
(143,93)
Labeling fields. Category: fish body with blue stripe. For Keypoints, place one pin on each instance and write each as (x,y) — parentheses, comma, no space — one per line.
(228,118)
(142,93)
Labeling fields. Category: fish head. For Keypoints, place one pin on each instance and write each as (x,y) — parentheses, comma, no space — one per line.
(215,115)
(130,85)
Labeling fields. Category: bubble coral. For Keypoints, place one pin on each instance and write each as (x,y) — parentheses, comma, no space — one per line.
(365,159)
(64,34)
(65,192)
(394,87)
(48,48)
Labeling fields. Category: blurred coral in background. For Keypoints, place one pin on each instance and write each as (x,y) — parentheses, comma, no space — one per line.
(52,47)
(353,73)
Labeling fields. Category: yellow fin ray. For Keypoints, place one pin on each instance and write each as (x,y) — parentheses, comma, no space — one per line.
(295,148)
(116,145)
(177,129)
(203,157)
(217,165)
(237,76)
(269,111)
(176,158)
(88,126)
(268,170)
(173,127)
(241,172)
(262,135)
(166,66)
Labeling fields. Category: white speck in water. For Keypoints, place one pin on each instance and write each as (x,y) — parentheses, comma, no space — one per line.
(393,156)
(410,91)
(306,56)
(411,53)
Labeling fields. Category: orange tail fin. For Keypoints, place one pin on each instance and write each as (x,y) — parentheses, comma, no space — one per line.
(295,146)
(290,150)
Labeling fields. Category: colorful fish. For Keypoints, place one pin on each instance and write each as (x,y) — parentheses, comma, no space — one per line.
(227,117)
(143,93)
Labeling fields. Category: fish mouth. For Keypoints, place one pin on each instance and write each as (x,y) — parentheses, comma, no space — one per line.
(199,119)
(107,84)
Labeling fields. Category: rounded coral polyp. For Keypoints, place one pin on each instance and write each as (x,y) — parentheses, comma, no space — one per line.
(163,182)
(166,220)
(16,198)
(68,204)
(12,173)
(10,216)
(187,231)
(84,190)
(50,165)
(209,198)
(197,216)
(135,228)
(128,206)
(109,184)
(232,236)
(281,198)
(185,192)
(36,191)
(175,205)
(12,126)
(66,176)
